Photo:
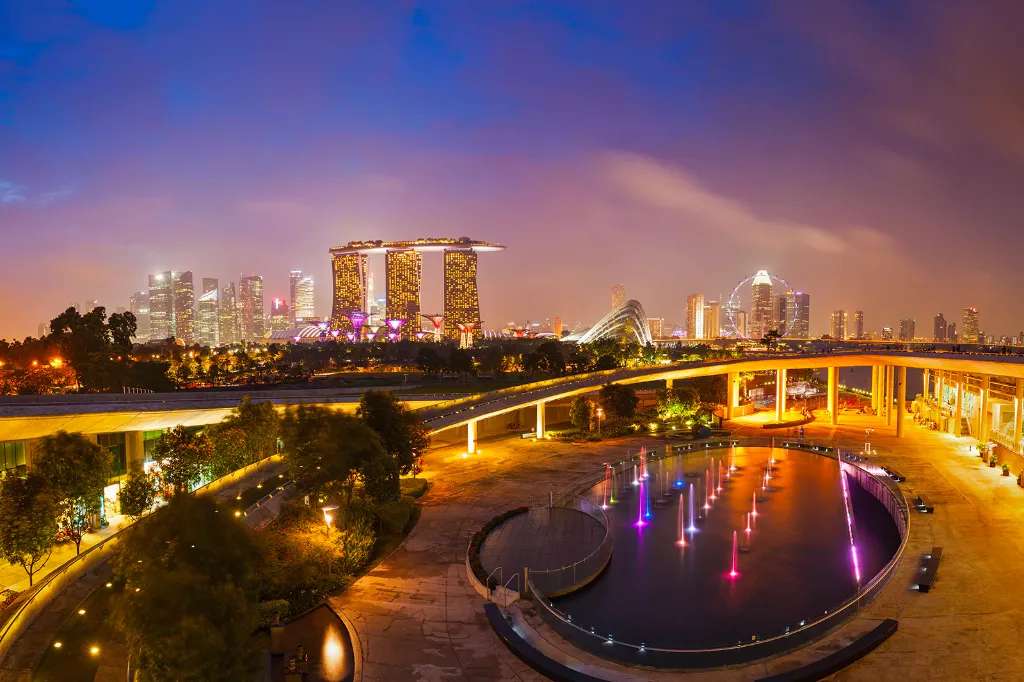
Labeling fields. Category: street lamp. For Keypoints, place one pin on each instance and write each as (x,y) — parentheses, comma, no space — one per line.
(867,441)
(600,416)
(328,517)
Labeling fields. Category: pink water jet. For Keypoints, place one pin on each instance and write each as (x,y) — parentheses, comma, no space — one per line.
(718,466)
(733,572)
(636,481)
(682,524)
(753,509)
(689,498)
(640,523)
(748,529)
(708,495)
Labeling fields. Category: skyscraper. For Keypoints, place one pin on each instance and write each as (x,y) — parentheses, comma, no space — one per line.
(403,270)
(858,324)
(970,331)
(184,307)
(618,296)
(761,319)
(838,330)
(161,306)
(250,306)
(939,327)
(229,330)
(350,270)
(657,325)
(208,313)
(301,297)
(798,314)
(280,317)
(695,316)
(779,313)
(712,320)
(461,298)
(138,305)
(951,332)
(908,329)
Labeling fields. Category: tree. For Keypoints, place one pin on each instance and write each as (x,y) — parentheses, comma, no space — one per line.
(547,358)
(579,413)
(248,435)
(188,610)
(460,361)
(400,430)
(122,328)
(137,494)
(29,514)
(184,457)
(618,400)
(76,470)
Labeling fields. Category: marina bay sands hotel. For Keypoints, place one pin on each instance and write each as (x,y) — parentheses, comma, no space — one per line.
(403,263)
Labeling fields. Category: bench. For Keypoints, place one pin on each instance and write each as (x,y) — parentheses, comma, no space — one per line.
(921,506)
(834,662)
(894,475)
(929,569)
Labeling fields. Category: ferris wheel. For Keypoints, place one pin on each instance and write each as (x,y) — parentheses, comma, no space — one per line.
(740,302)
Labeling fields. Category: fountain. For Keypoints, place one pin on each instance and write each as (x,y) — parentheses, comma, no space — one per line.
(607,485)
(682,524)
(689,499)
(753,509)
(640,523)
(733,573)
(718,466)
(708,495)
(636,481)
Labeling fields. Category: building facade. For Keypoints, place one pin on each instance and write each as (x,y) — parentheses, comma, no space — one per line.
(838,328)
(939,327)
(349,273)
(184,308)
(695,316)
(161,306)
(798,315)
(228,316)
(908,330)
(712,320)
(403,272)
(208,313)
(858,324)
(301,297)
(250,308)
(970,330)
(461,297)
(762,316)
(138,305)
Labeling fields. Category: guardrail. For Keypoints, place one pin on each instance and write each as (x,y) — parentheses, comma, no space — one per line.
(556,582)
(639,654)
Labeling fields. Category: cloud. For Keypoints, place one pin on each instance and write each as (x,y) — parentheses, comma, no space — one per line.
(659,185)
(11,193)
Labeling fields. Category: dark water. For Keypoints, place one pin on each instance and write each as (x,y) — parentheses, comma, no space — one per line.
(798,566)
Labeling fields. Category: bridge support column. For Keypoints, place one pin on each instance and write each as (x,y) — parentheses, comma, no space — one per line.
(958,412)
(134,451)
(540,420)
(984,421)
(732,397)
(668,384)
(940,382)
(901,400)
(875,398)
(888,392)
(926,383)
(833,395)
(780,394)
(471,437)
(1018,413)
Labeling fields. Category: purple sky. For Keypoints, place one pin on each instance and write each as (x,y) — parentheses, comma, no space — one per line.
(871,156)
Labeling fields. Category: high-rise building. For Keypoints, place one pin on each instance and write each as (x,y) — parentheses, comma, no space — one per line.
(250,306)
(762,305)
(280,317)
(657,326)
(556,326)
(461,298)
(858,324)
(939,327)
(350,270)
(301,299)
(184,307)
(161,306)
(798,315)
(887,333)
(908,328)
(618,296)
(138,305)
(208,313)
(695,316)
(741,323)
(951,334)
(712,320)
(838,330)
(970,331)
(228,326)
(403,271)
(779,313)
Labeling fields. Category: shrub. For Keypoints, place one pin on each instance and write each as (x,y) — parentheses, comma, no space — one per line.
(414,487)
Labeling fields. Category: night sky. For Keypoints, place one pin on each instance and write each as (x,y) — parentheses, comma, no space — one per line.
(872,156)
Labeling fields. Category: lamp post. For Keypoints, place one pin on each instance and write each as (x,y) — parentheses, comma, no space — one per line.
(867,441)
(328,517)
(600,416)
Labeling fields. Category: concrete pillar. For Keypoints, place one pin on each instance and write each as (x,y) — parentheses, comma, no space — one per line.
(668,384)
(984,421)
(471,437)
(540,420)
(958,412)
(901,401)
(940,383)
(874,389)
(833,394)
(926,383)
(780,394)
(732,399)
(1018,412)
(134,451)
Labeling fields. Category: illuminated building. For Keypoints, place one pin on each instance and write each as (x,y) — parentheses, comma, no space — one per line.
(969,328)
(907,330)
(350,270)
(161,306)
(657,325)
(229,329)
(138,305)
(838,329)
(208,314)
(798,314)
(887,333)
(184,308)
(618,296)
(556,327)
(939,327)
(461,298)
(301,297)
(858,324)
(250,308)
(403,271)
(280,319)
(951,332)
(779,314)
(761,314)
(741,323)
(712,320)
(695,316)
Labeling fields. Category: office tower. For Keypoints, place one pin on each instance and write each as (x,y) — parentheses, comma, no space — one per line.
(887,333)
(761,315)
(301,297)
(556,327)
(712,320)
(858,324)
(798,314)
(208,313)
(350,269)
(951,334)
(939,327)
(780,321)
(403,273)
(280,318)
(970,331)
(741,323)
(250,308)
(657,326)
(907,330)
(618,296)
(184,307)
(461,298)
(228,322)
(695,316)
(138,305)
(161,306)
(838,330)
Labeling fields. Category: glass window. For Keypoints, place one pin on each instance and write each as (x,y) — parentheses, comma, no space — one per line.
(12,455)
(149,439)
(115,443)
